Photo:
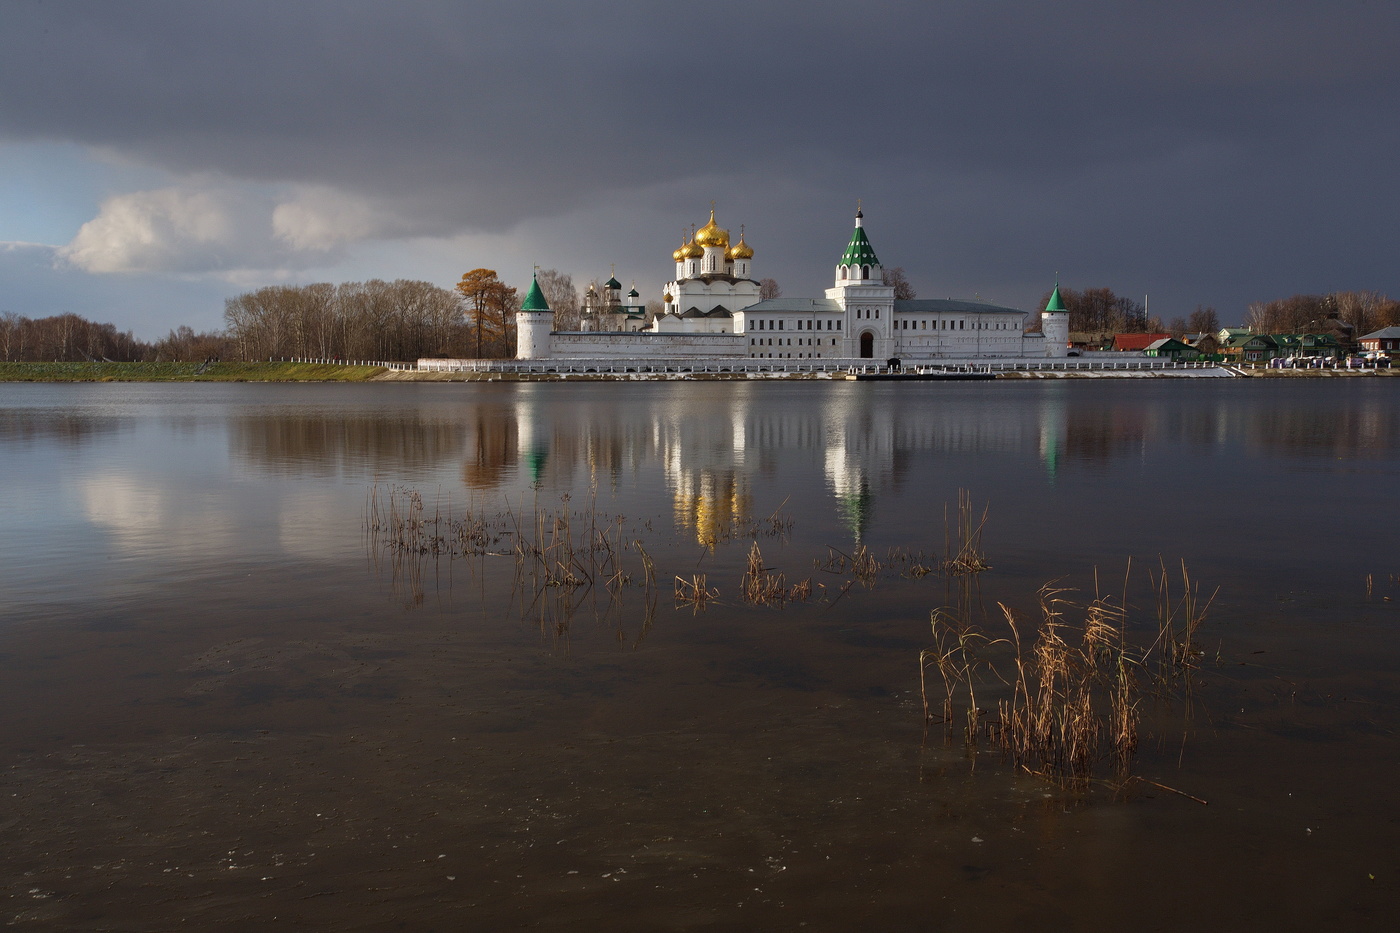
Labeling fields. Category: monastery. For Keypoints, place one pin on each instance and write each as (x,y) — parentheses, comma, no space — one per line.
(712,310)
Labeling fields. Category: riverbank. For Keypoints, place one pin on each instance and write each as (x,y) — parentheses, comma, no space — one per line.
(337,372)
(187,372)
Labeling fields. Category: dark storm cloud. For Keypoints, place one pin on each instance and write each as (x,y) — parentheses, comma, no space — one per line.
(1202,141)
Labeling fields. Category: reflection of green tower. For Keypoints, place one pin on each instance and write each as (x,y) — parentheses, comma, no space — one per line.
(535,459)
(854,508)
(532,446)
(1052,420)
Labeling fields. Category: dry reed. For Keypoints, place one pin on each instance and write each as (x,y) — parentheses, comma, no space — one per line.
(1069,686)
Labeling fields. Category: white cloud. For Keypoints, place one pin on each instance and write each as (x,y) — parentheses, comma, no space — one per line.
(321,218)
(164,230)
(229,230)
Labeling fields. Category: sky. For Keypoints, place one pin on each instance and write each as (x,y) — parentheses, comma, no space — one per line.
(158,158)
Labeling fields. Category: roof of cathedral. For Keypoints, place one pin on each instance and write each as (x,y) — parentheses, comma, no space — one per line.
(612,282)
(534,298)
(859,252)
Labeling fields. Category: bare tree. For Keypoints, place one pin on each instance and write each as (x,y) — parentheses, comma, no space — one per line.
(903,291)
(768,288)
(559,291)
(1203,320)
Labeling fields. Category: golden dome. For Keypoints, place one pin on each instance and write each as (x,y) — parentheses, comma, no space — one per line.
(679,254)
(691,250)
(711,234)
(740,250)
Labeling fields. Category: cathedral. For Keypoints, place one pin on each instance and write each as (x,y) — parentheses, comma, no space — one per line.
(712,309)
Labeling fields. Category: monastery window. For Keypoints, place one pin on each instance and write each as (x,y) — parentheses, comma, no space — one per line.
(780,324)
(838,325)
(865,272)
(877,314)
(962,325)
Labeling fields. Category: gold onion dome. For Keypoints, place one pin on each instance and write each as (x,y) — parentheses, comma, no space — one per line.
(679,254)
(711,234)
(691,250)
(740,250)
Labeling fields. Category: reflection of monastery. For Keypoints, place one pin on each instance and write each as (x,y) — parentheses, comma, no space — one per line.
(854,448)
(712,310)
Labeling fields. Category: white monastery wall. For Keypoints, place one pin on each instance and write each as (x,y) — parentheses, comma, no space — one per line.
(644,346)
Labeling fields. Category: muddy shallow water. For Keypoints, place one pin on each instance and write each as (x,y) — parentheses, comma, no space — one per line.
(225,706)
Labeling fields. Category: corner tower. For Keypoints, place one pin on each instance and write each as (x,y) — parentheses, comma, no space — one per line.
(533,324)
(1054,324)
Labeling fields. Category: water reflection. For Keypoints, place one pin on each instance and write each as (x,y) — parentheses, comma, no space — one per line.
(866,441)
(354,442)
(852,460)
(71,428)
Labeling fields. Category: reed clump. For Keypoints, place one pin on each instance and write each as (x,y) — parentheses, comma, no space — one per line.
(1064,692)
(765,586)
(962,546)
(694,592)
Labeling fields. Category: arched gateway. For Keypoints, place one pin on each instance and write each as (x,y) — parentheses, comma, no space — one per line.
(867,345)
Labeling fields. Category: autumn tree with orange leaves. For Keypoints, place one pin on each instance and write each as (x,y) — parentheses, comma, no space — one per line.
(490,307)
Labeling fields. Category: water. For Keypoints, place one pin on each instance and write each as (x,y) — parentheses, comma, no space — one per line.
(224,706)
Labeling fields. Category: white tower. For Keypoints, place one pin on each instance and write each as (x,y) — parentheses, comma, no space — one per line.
(867,300)
(533,324)
(1054,324)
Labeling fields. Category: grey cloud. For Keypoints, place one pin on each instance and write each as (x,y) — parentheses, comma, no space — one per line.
(1054,133)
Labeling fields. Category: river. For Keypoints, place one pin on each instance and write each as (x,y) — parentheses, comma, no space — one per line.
(230,700)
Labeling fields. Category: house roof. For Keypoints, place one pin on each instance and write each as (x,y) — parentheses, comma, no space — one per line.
(800,305)
(912,306)
(949,305)
(1135,341)
(1385,333)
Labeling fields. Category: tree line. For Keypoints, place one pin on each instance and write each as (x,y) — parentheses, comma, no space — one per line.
(409,319)
(66,338)
(1099,310)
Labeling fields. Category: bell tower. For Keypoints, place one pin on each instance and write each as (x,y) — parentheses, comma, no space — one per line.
(861,291)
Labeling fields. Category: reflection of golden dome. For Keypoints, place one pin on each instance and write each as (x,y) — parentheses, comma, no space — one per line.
(740,250)
(711,234)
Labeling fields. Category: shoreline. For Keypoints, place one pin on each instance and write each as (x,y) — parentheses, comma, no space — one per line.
(332,372)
